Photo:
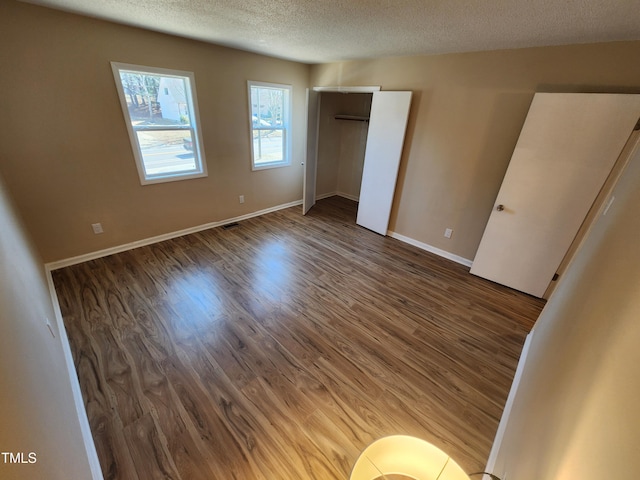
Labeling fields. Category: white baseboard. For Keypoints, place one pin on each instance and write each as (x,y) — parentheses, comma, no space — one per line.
(338,194)
(160,238)
(167,236)
(85,428)
(424,246)
(506,413)
(348,196)
(326,195)
(429,248)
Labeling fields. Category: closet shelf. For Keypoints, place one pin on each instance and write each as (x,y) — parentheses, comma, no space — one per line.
(357,118)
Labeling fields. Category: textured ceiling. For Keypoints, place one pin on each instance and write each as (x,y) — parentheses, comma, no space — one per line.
(318,31)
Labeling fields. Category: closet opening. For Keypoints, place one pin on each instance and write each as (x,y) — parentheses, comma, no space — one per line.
(343,123)
(354,147)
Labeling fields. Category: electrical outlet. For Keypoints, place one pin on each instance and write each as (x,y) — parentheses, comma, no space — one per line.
(97,228)
(448,232)
(241,198)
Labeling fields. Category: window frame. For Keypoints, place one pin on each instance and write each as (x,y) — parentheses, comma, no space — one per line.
(286,125)
(194,123)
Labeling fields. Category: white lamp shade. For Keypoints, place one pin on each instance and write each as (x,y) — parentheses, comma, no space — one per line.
(404,455)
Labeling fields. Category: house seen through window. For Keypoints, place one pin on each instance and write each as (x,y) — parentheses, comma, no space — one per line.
(270,113)
(160,109)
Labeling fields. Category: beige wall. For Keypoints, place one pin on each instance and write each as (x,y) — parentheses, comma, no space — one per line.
(36,404)
(576,413)
(65,153)
(466,115)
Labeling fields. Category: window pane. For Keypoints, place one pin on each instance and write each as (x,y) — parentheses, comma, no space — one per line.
(267,106)
(162,121)
(268,146)
(270,121)
(166,151)
(155,99)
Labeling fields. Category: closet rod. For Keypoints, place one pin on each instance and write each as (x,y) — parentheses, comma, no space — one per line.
(357,118)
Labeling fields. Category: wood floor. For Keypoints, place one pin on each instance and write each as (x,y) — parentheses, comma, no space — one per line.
(280,348)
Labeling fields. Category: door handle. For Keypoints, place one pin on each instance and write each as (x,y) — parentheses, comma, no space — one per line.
(500,208)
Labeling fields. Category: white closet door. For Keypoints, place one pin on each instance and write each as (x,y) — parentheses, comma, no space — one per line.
(387,126)
(567,147)
(311,157)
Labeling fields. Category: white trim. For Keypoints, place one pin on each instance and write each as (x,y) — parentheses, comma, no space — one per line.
(159,238)
(506,412)
(348,197)
(326,195)
(85,428)
(424,246)
(337,194)
(364,89)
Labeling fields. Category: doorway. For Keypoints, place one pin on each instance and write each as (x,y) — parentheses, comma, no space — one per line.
(567,148)
(313,107)
(343,124)
(355,139)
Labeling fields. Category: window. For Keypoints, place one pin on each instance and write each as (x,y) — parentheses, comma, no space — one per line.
(161,114)
(270,119)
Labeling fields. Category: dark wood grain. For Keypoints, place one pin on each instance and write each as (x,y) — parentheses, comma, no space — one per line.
(281,348)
